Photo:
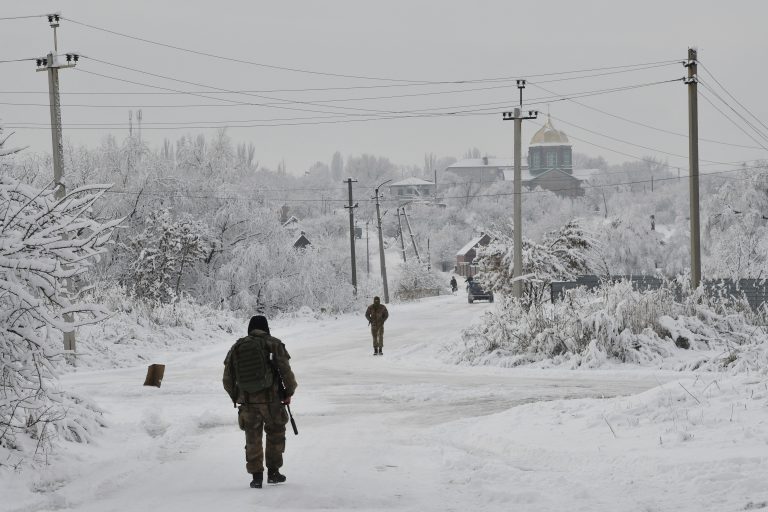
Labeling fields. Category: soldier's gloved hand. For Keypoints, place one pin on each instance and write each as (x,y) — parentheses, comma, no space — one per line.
(287,400)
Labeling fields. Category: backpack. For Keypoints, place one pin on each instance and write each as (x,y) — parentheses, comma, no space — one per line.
(252,369)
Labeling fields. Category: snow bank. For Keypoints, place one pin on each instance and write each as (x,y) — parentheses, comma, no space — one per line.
(692,444)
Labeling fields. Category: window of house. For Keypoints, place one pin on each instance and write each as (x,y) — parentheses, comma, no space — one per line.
(567,158)
(551,158)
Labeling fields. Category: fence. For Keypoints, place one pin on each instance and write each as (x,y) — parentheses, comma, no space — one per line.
(755,291)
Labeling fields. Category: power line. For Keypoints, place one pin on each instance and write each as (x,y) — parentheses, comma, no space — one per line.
(732,96)
(644,125)
(235,103)
(418,113)
(5,18)
(336,75)
(18,60)
(281,100)
(677,155)
(739,114)
(737,125)
(333,100)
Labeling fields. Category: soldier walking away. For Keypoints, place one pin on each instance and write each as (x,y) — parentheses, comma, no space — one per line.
(377,314)
(254,370)
(454,285)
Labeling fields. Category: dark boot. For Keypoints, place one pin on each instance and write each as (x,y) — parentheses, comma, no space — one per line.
(258,478)
(274,477)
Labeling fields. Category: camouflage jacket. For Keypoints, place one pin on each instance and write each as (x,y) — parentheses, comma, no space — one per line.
(281,359)
(377,314)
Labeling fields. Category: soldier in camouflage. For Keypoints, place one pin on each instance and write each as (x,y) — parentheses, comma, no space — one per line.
(262,410)
(377,314)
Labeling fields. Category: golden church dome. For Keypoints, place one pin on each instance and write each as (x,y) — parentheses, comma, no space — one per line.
(547,134)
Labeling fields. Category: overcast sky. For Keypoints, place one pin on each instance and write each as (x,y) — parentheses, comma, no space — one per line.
(403,42)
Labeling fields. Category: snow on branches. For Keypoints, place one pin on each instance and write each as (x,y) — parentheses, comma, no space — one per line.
(562,255)
(616,323)
(163,253)
(45,243)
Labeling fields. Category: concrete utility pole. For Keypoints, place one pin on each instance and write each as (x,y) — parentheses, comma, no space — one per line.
(52,63)
(351,208)
(367,250)
(413,240)
(402,236)
(382,260)
(517,286)
(693,162)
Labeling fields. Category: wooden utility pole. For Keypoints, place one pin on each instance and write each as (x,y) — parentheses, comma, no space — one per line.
(693,161)
(351,207)
(517,285)
(402,237)
(51,63)
(382,260)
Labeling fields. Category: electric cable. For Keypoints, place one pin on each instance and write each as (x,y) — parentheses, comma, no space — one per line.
(644,125)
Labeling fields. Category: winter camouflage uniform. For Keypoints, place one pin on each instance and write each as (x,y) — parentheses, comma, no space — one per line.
(263,410)
(377,314)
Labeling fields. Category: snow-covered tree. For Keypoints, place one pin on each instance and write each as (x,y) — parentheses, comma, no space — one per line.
(165,252)
(562,255)
(45,243)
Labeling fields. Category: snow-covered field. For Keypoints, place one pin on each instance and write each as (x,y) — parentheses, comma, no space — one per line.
(409,432)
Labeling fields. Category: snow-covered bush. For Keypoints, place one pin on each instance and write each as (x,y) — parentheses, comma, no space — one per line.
(44,244)
(166,250)
(563,254)
(415,277)
(614,323)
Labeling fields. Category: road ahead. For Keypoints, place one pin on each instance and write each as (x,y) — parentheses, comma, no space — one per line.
(370,427)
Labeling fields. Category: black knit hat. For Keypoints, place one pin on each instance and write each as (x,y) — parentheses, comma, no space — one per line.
(258,322)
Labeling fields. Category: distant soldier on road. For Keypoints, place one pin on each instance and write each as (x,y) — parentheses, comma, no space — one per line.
(454,285)
(377,314)
(256,369)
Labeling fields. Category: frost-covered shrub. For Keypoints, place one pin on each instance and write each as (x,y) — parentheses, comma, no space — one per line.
(44,243)
(415,277)
(563,254)
(612,323)
(164,253)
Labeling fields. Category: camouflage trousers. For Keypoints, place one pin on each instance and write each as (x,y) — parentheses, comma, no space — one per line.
(377,331)
(271,419)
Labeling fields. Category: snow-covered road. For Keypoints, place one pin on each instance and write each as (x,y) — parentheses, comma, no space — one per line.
(376,433)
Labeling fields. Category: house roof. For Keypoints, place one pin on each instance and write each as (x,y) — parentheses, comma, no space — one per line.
(470,245)
(410,182)
(479,162)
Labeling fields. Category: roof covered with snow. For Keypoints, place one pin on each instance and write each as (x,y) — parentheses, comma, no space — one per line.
(411,182)
(470,245)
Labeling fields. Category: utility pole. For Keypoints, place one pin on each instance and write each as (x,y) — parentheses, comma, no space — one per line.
(400,229)
(351,208)
(429,257)
(52,63)
(413,240)
(517,285)
(367,250)
(435,186)
(693,161)
(382,260)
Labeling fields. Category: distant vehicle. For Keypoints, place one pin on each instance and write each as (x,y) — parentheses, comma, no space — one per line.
(475,292)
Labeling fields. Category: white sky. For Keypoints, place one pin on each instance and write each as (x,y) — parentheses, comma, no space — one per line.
(407,40)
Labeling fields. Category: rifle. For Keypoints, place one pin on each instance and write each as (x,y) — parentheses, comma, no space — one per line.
(281,392)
